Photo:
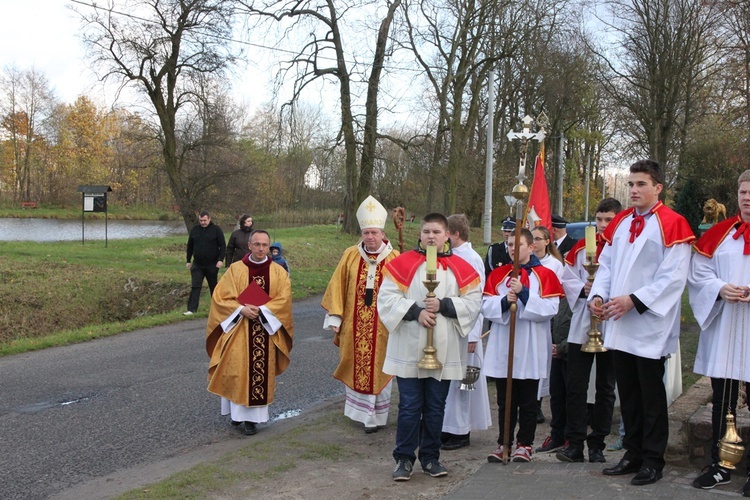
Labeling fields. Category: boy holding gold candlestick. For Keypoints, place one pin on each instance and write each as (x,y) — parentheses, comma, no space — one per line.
(577,285)
(422,324)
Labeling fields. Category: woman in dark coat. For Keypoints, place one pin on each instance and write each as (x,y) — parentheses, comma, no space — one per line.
(237,246)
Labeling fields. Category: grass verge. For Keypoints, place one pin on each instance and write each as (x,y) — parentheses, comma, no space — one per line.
(64,292)
(259,462)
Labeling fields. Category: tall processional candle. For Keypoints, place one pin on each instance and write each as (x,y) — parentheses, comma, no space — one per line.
(590,243)
(431,261)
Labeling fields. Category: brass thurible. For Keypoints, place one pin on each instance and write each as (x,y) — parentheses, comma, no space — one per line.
(430,361)
(730,447)
(594,343)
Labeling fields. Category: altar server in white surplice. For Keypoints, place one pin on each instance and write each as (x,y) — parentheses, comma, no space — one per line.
(638,289)
(720,298)
(537,293)
(466,411)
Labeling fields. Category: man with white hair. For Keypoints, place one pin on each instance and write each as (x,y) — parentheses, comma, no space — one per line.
(351,305)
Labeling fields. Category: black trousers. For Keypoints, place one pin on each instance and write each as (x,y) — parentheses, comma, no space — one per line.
(643,401)
(725,394)
(558,384)
(197,274)
(600,417)
(523,407)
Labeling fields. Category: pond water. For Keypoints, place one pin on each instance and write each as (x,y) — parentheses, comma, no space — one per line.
(70,230)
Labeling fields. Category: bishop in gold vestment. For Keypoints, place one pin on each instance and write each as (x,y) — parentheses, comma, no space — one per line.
(351,305)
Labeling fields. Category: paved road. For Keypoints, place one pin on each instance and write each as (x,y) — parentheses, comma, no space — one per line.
(76,413)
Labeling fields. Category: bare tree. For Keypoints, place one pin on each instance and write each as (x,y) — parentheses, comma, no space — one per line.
(163,47)
(661,61)
(324,23)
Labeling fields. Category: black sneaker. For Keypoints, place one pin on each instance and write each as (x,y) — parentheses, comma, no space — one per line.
(549,445)
(435,469)
(714,476)
(403,470)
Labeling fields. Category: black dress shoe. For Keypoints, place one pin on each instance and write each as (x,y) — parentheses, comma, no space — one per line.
(235,423)
(623,467)
(540,416)
(250,428)
(570,454)
(647,475)
(456,443)
(596,456)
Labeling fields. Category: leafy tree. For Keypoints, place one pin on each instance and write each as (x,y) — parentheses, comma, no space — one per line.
(689,203)
(26,101)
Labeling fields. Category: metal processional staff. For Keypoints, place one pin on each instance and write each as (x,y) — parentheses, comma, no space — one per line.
(520,193)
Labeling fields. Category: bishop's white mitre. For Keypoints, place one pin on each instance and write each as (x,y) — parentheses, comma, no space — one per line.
(371,214)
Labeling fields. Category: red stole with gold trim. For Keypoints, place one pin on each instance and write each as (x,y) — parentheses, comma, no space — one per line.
(259,339)
(365,328)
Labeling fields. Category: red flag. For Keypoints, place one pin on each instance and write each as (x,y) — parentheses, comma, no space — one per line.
(539,212)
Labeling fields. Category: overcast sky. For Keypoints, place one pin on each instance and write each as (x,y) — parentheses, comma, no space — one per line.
(45,34)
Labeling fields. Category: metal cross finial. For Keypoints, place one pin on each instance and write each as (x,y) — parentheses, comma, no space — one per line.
(527,123)
(525,135)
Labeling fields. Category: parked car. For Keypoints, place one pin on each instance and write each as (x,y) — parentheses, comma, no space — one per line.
(576,230)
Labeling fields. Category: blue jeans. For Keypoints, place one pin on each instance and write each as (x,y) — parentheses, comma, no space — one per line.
(421,408)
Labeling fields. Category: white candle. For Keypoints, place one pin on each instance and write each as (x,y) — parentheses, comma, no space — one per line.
(590,242)
(431,259)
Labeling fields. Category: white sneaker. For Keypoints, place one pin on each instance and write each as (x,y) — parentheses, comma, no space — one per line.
(187,313)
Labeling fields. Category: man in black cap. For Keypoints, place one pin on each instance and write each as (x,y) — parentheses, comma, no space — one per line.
(563,242)
(497,253)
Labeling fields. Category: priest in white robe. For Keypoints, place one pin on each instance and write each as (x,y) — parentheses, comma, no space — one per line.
(465,410)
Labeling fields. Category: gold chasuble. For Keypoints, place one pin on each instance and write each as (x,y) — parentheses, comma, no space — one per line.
(362,338)
(245,361)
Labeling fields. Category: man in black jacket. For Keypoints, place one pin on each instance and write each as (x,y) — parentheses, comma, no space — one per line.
(206,248)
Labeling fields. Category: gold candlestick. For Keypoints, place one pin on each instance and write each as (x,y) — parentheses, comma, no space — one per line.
(429,361)
(594,343)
